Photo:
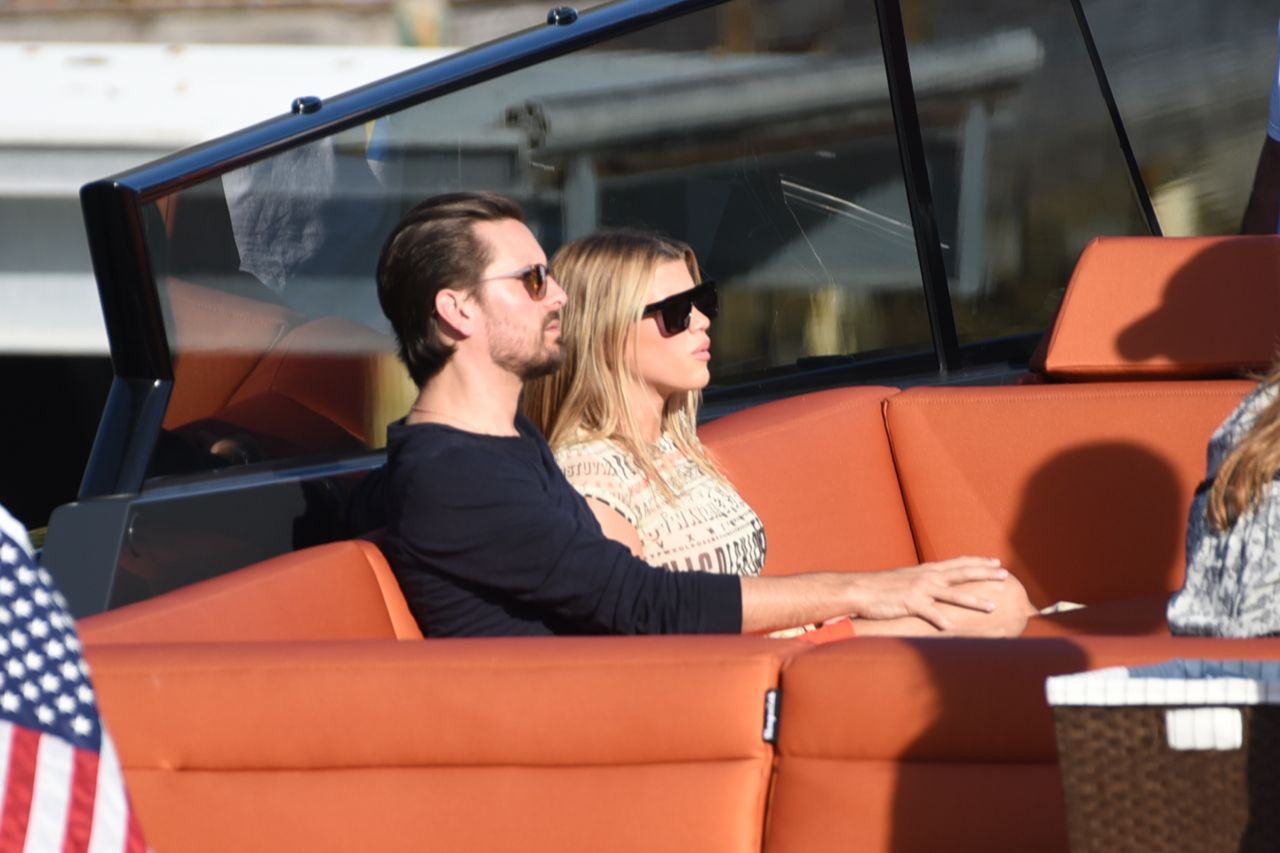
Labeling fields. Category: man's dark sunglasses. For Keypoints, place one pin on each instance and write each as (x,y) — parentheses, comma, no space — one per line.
(677,310)
(533,277)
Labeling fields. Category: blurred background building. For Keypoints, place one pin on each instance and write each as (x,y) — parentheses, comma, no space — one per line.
(412,23)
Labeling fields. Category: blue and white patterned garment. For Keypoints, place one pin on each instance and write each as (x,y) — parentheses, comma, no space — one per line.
(1232,587)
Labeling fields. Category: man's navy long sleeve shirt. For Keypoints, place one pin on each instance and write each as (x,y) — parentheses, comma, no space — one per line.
(488,538)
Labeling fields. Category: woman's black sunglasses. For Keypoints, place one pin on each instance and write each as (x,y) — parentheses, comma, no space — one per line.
(534,278)
(675,311)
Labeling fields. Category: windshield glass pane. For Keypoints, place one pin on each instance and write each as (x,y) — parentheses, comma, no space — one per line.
(759,133)
(1023,159)
(1191,79)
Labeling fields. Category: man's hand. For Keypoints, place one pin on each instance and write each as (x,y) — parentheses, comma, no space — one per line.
(952,596)
(920,590)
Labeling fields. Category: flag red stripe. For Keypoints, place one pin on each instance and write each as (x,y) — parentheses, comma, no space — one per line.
(134,842)
(84,786)
(19,783)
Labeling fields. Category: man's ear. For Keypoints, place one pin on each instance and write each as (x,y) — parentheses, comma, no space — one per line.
(456,309)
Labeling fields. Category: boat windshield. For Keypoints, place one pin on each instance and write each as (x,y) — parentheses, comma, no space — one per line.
(763,134)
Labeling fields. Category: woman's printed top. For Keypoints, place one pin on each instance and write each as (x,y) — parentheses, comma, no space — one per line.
(707,527)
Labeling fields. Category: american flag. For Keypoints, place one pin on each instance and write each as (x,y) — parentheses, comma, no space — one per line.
(61,788)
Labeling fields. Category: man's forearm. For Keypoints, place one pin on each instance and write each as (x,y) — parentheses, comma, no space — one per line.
(774,603)
(771,604)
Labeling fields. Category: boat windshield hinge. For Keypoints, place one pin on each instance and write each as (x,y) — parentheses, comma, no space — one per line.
(562,16)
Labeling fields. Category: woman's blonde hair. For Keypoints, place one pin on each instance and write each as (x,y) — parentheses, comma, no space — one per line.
(607,276)
(1249,467)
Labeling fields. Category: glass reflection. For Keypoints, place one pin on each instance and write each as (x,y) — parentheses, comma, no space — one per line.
(1024,162)
(1191,79)
(758,132)
(772,152)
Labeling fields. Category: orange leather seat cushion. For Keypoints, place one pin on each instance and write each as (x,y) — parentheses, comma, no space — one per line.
(1141,616)
(943,744)
(339,591)
(1082,490)
(1168,307)
(818,471)
(561,744)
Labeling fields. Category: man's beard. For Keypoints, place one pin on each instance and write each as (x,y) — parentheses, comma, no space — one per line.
(507,355)
(548,362)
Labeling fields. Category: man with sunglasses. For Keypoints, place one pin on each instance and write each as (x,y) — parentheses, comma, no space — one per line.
(483,531)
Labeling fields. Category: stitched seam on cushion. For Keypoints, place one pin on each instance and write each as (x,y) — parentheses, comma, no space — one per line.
(905,499)
(790,423)
(936,399)
(765,756)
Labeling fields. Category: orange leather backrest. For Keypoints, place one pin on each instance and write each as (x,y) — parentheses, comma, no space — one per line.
(217,339)
(818,471)
(1082,490)
(339,591)
(1186,307)
(942,744)
(537,744)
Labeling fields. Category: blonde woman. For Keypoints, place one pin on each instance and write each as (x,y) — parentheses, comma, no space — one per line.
(621,416)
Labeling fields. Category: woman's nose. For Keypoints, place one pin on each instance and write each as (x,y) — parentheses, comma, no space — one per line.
(698,322)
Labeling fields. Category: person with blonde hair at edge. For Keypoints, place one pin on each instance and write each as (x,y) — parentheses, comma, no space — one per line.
(1232,584)
(621,414)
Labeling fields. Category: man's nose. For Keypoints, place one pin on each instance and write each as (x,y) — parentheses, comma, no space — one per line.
(556,297)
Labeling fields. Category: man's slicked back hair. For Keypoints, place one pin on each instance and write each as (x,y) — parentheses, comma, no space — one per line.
(432,248)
